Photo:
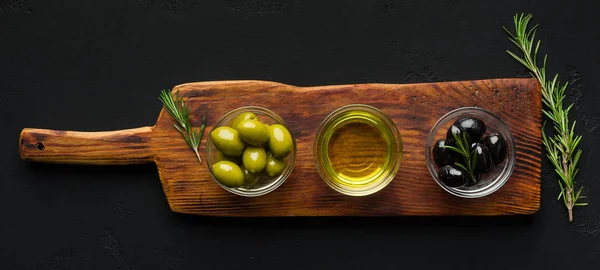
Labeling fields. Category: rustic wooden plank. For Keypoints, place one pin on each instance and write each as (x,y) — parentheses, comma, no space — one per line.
(413,107)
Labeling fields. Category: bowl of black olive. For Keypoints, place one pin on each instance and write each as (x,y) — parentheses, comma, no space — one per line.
(470,152)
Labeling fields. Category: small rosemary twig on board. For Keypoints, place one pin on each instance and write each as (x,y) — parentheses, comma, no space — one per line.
(181,114)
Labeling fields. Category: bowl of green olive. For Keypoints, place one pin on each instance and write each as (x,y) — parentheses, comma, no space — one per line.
(250,151)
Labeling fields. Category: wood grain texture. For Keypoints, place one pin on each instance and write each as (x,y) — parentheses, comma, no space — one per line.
(128,146)
(413,107)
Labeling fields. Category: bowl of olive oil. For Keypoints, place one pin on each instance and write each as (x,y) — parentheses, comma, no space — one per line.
(357,150)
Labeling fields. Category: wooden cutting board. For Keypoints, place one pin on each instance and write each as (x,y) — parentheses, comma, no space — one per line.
(413,107)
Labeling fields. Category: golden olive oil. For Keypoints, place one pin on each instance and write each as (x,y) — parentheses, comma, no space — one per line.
(358,148)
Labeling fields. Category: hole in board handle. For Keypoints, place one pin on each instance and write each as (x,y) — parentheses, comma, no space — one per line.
(40,146)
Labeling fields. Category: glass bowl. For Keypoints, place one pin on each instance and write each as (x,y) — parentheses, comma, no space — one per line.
(489,182)
(345,162)
(264,184)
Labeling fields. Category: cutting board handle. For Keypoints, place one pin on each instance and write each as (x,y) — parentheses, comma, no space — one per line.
(128,146)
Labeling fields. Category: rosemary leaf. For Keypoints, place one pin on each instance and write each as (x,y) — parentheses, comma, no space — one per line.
(463,148)
(561,148)
(177,109)
(461,166)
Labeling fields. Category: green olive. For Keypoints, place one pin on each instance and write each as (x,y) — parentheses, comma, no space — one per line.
(228,174)
(249,178)
(242,117)
(227,140)
(274,165)
(254,159)
(223,157)
(253,132)
(280,141)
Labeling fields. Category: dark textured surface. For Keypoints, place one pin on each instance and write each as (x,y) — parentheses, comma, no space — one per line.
(99,65)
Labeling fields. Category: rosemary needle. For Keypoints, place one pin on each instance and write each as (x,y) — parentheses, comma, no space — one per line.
(561,148)
(181,114)
(468,155)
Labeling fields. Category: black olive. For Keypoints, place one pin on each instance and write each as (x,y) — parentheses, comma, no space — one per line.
(475,127)
(441,155)
(454,129)
(472,182)
(453,176)
(496,144)
(483,160)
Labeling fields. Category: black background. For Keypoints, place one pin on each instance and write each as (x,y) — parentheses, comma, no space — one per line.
(99,65)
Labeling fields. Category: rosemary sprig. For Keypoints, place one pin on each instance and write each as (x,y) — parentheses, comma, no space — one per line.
(181,114)
(463,148)
(561,148)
